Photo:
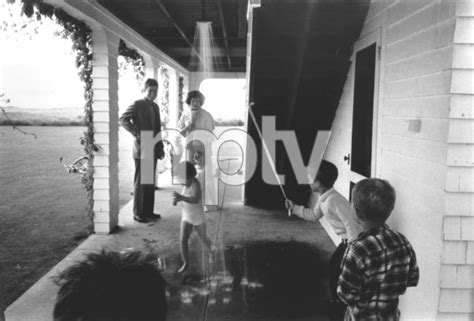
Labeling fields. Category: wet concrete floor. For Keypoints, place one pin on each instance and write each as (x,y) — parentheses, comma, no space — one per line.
(249,281)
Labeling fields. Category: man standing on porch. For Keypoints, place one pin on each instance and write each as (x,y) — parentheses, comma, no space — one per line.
(144,115)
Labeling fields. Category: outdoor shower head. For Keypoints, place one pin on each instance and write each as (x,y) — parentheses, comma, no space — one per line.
(203,22)
(203,13)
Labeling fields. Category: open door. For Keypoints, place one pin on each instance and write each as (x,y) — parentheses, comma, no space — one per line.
(362,158)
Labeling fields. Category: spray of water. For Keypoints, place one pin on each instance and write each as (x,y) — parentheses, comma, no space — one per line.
(205,56)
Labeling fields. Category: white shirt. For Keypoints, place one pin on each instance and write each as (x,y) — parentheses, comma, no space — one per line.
(337,211)
(193,120)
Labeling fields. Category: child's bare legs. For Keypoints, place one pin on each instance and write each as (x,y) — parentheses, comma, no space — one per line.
(201,231)
(186,229)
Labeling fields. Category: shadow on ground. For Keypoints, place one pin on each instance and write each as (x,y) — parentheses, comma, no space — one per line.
(250,281)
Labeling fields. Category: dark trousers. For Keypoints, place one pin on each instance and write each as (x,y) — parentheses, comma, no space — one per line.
(335,268)
(143,194)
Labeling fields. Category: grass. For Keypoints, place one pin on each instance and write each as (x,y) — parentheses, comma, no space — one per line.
(42,208)
(228,122)
(41,117)
(65,117)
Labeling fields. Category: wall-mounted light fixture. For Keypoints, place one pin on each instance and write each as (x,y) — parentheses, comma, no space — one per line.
(414,125)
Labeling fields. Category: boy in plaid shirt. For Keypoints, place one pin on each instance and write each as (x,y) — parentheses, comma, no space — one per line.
(380,263)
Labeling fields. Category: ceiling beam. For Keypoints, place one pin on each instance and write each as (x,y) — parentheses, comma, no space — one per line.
(181,32)
(224,31)
(236,51)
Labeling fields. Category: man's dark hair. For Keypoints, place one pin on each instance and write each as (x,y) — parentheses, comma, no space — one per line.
(373,199)
(194,94)
(150,82)
(327,174)
(110,286)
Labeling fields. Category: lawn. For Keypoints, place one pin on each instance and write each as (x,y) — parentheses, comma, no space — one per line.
(42,208)
(42,117)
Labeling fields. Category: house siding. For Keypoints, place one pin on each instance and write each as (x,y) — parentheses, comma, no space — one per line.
(431,168)
(457,269)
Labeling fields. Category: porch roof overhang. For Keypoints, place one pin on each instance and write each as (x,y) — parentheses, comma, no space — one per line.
(170,26)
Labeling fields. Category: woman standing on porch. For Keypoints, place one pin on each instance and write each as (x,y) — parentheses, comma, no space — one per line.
(193,119)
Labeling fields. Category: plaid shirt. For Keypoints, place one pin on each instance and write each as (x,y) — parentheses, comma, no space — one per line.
(376,269)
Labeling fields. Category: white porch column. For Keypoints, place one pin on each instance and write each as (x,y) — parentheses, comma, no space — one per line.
(185,87)
(105,117)
(173,98)
(195,79)
(151,67)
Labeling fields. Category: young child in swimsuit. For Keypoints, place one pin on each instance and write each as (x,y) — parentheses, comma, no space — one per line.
(193,217)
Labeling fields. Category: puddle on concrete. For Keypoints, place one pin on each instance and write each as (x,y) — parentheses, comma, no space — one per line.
(253,281)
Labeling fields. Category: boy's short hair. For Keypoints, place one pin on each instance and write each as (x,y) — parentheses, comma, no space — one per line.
(109,286)
(150,82)
(194,94)
(186,170)
(373,199)
(327,174)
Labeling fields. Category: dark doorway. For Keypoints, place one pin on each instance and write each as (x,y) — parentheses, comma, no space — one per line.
(362,118)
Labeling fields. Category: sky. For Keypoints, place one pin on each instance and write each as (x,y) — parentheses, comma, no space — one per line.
(37,71)
(225,98)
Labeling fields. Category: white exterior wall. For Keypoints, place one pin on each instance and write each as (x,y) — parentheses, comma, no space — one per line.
(457,269)
(415,86)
